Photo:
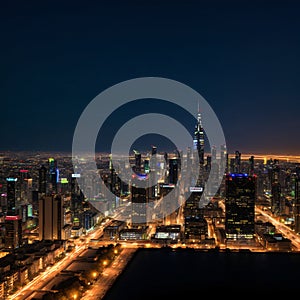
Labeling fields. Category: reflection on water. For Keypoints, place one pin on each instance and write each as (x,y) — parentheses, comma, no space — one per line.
(189,274)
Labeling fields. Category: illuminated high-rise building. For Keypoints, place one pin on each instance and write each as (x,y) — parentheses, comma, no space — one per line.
(199,139)
(174,169)
(51,219)
(223,158)
(251,165)
(53,175)
(139,201)
(277,201)
(43,179)
(138,161)
(239,205)
(237,162)
(153,189)
(11,186)
(195,225)
(13,232)
(297,206)
(153,150)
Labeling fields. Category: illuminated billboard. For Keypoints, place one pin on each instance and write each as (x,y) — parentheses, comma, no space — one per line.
(12,218)
(11,179)
(196,189)
(64,180)
(75,175)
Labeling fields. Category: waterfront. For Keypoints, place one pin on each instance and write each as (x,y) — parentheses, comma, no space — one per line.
(167,274)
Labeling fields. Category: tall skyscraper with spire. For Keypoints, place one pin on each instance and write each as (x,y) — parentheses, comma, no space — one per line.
(199,147)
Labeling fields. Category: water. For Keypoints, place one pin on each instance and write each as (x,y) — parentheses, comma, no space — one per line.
(189,274)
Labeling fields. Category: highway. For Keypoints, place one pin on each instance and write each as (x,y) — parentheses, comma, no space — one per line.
(40,281)
(284,229)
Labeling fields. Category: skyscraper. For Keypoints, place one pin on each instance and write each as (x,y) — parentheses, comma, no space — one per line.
(153,173)
(53,175)
(50,217)
(43,179)
(13,232)
(223,158)
(199,149)
(173,170)
(199,139)
(139,200)
(195,225)
(138,161)
(297,205)
(237,162)
(11,187)
(239,205)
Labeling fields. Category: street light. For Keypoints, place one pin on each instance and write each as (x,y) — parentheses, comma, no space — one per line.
(74,296)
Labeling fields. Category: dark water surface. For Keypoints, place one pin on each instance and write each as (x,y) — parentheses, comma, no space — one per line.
(189,274)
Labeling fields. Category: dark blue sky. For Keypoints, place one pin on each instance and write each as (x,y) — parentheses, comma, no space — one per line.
(241,56)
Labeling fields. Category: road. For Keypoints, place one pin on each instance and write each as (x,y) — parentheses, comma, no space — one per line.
(40,281)
(105,281)
(284,229)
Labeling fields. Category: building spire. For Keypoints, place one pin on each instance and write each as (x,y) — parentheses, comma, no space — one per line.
(199,123)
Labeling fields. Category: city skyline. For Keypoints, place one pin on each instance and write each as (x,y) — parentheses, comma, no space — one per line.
(146,140)
(241,57)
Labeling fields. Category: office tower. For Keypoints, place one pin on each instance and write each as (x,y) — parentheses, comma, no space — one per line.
(296,205)
(147,166)
(138,161)
(237,162)
(276,198)
(153,150)
(53,175)
(173,170)
(139,201)
(277,201)
(35,202)
(77,198)
(13,232)
(43,179)
(11,187)
(114,180)
(25,185)
(239,206)
(251,165)
(224,158)
(153,189)
(195,225)
(51,218)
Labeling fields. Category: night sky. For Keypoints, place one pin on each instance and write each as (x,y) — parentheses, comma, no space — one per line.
(241,56)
